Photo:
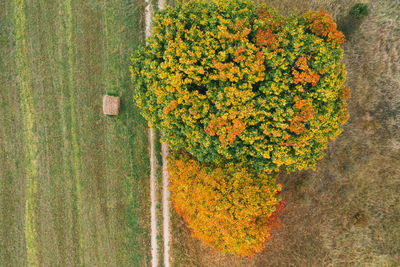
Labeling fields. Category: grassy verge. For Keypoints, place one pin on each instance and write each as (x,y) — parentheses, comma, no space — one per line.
(120,19)
(159,214)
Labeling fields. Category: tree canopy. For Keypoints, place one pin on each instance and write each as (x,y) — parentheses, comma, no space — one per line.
(229,82)
(229,207)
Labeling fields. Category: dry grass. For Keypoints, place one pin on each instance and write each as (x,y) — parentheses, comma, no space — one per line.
(347,212)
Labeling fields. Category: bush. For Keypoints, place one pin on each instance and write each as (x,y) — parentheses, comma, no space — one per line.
(351,23)
(359,11)
(229,207)
(112,92)
(231,83)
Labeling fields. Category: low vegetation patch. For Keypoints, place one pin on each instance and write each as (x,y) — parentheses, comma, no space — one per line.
(352,22)
(359,11)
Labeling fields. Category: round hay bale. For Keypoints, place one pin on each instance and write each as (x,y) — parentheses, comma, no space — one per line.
(111,105)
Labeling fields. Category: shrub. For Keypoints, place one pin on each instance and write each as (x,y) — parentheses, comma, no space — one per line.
(112,92)
(351,23)
(231,83)
(229,207)
(359,11)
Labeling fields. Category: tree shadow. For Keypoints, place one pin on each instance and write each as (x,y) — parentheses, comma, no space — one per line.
(349,25)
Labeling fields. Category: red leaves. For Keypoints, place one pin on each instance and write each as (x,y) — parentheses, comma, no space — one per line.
(273,220)
(266,38)
(345,93)
(271,19)
(239,58)
(226,130)
(323,25)
(239,53)
(266,35)
(238,25)
(303,115)
(304,74)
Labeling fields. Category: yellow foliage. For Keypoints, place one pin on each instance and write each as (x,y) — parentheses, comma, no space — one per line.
(229,207)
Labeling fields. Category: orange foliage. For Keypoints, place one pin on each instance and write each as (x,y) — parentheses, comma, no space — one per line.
(266,38)
(304,74)
(304,113)
(229,207)
(345,93)
(242,92)
(266,35)
(226,130)
(322,24)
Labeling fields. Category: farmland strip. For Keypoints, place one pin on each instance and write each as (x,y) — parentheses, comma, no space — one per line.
(125,139)
(12,171)
(30,139)
(76,166)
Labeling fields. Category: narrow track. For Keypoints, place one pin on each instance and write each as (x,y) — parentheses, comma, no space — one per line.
(165,193)
(165,175)
(153,196)
(165,202)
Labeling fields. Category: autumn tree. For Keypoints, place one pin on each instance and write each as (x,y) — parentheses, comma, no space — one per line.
(229,207)
(229,82)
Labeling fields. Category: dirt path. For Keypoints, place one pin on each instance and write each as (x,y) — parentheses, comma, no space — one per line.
(165,175)
(154,255)
(165,193)
(165,202)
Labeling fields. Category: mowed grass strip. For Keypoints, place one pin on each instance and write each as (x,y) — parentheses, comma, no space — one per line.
(113,151)
(39,52)
(75,154)
(30,140)
(12,156)
(85,93)
(58,224)
(114,173)
(125,139)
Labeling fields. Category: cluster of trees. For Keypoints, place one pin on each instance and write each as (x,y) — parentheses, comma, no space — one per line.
(239,92)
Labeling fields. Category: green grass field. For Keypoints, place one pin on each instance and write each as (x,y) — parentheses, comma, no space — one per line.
(347,212)
(73,182)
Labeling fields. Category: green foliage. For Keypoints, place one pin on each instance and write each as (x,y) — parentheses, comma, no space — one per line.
(359,11)
(229,207)
(351,23)
(227,82)
(112,92)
